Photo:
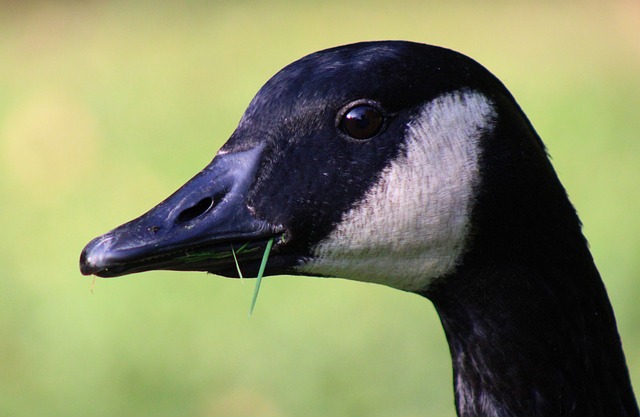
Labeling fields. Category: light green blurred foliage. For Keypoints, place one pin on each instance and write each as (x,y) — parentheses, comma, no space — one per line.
(107,107)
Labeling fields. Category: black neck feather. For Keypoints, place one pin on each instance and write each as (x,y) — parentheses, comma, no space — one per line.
(529,324)
(524,347)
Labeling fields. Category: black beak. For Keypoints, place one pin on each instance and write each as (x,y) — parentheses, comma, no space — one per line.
(201,227)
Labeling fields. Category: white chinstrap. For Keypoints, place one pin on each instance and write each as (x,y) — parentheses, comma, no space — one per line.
(412,225)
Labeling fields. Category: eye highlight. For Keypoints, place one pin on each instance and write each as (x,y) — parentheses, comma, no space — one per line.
(362,121)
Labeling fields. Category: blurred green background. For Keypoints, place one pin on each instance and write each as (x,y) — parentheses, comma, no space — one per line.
(107,107)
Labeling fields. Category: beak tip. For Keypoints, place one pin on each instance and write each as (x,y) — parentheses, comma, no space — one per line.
(87,267)
(93,257)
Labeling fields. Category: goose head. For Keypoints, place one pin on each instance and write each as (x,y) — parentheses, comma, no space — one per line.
(362,162)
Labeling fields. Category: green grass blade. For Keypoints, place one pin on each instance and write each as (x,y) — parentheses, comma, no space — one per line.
(267,250)
(233,252)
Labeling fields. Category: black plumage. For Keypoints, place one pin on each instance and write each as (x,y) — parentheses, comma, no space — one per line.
(527,317)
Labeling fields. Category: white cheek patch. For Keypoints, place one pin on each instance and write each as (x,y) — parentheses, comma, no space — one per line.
(412,225)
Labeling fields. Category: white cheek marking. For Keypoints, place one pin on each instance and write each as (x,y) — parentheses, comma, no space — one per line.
(412,225)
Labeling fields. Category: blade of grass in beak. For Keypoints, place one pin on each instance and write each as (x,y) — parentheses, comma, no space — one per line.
(233,251)
(267,250)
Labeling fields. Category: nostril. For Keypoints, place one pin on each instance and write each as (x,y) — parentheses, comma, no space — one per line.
(194,211)
(200,208)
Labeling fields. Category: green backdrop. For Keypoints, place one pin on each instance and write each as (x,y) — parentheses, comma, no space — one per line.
(107,107)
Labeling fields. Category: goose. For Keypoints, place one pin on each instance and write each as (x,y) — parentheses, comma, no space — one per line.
(411,166)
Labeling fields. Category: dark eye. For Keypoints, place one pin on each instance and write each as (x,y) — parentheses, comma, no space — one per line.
(362,122)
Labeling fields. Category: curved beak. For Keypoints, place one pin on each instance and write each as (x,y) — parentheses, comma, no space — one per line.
(203,226)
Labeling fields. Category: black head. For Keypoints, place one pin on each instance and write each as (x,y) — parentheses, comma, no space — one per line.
(366,139)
